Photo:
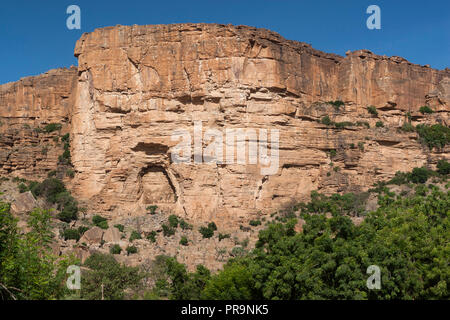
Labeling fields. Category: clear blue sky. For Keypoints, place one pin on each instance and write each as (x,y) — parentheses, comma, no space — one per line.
(34,37)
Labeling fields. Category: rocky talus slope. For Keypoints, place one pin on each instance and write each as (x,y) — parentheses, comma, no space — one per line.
(136,85)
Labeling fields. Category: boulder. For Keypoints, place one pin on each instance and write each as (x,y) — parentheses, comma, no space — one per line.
(92,236)
(23,203)
(112,235)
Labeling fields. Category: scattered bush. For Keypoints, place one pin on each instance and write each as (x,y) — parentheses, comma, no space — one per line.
(223,236)
(361,146)
(435,135)
(206,232)
(82,230)
(51,174)
(372,110)
(100,222)
(443,167)
(115,249)
(168,230)
(131,250)
(379,124)
(70,173)
(407,127)
(363,123)
(326,121)
(425,110)
(344,124)
(419,175)
(255,223)
(71,234)
(333,153)
(55,192)
(212,226)
(22,187)
(184,241)
(152,209)
(337,104)
(134,235)
(152,236)
(184,225)
(120,227)
(52,127)
(173,221)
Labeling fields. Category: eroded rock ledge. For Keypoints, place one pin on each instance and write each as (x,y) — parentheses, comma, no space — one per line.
(136,85)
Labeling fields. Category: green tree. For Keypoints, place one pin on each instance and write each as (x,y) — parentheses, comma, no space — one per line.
(28,269)
(103,269)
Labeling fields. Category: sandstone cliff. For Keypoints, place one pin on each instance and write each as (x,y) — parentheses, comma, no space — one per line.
(136,85)
(26,107)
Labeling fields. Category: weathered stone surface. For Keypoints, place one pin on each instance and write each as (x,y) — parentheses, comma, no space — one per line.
(92,236)
(138,84)
(26,106)
(112,235)
(23,203)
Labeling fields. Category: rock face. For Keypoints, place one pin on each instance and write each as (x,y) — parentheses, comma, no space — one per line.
(136,86)
(23,203)
(92,236)
(26,106)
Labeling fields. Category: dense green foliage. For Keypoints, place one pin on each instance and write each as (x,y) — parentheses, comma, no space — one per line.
(184,225)
(100,221)
(131,250)
(443,167)
(71,234)
(115,249)
(407,238)
(135,235)
(104,270)
(174,282)
(206,232)
(120,227)
(55,192)
(372,110)
(326,121)
(168,230)
(255,223)
(434,136)
(152,236)
(407,127)
(173,221)
(337,104)
(425,109)
(52,127)
(184,241)
(28,269)
(152,209)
